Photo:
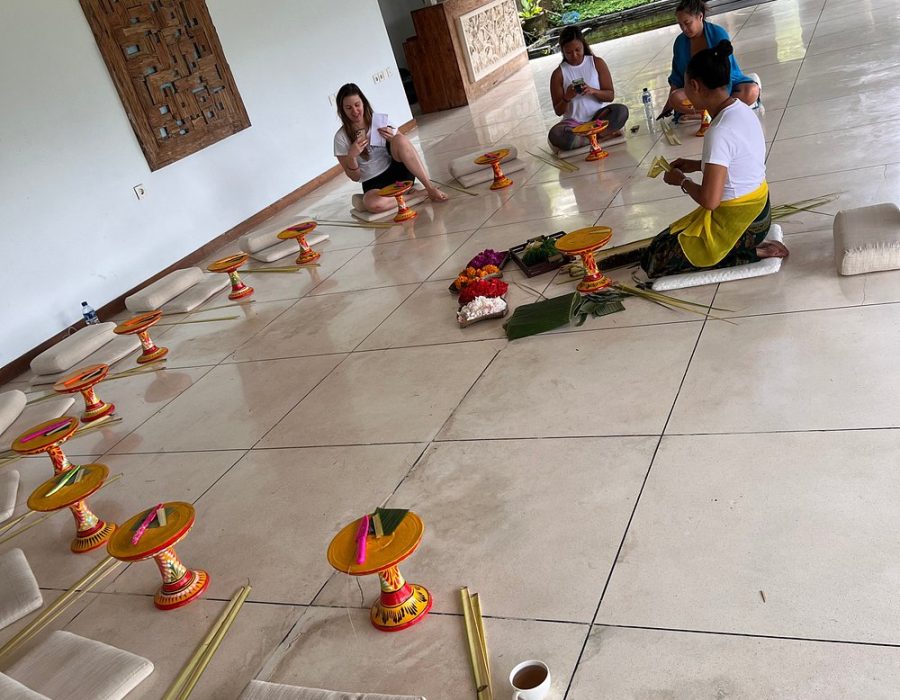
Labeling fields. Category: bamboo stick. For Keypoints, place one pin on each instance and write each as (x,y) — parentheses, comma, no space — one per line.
(471,193)
(200,320)
(26,527)
(355,224)
(210,308)
(187,671)
(15,521)
(549,162)
(479,624)
(58,606)
(482,685)
(562,161)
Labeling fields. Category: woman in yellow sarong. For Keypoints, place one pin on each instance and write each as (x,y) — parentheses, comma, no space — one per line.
(730,225)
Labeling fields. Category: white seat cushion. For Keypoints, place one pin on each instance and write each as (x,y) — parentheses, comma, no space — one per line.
(585,149)
(465,165)
(119,347)
(766,266)
(261,690)
(363,215)
(191,298)
(480,176)
(11,689)
(66,666)
(34,415)
(68,352)
(153,296)
(867,239)
(11,404)
(266,235)
(19,592)
(9,489)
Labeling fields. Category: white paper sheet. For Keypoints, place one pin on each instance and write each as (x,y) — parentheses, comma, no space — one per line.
(378,121)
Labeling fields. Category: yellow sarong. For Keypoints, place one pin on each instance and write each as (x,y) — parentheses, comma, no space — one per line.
(707,236)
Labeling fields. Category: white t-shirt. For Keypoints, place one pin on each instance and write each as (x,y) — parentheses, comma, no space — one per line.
(582,108)
(735,140)
(379,158)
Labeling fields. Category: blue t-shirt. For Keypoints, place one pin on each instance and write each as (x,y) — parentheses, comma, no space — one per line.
(681,55)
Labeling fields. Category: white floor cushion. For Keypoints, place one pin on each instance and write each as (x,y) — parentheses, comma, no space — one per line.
(34,415)
(867,239)
(191,298)
(67,667)
(358,212)
(586,149)
(154,295)
(69,351)
(766,266)
(261,690)
(11,689)
(19,592)
(465,165)
(9,489)
(119,347)
(266,235)
(480,176)
(11,404)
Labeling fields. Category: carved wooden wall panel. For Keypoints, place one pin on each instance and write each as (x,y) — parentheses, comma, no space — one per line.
(165,59)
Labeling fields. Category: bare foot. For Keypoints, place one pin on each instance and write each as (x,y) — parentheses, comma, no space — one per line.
(435,195)
(772,249)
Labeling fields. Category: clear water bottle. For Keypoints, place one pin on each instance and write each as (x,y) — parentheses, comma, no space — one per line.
(90,316)
(647,99)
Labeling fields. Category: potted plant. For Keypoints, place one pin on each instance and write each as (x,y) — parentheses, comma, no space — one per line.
(533,18)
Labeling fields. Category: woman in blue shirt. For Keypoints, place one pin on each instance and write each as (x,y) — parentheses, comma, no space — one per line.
(698,34)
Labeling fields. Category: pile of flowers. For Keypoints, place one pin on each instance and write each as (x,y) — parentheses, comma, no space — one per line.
(481,292)
(473,274)
(487,257)
(483,288)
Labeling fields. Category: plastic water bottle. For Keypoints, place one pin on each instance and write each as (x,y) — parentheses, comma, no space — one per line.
(647,99)
(90,316)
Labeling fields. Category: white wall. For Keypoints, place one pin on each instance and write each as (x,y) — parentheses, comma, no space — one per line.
(70,224)
(399,24)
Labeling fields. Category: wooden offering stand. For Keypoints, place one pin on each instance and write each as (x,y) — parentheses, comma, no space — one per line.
(47,437)
(400,604)
(70,490)
(84,380)
(180,585)
(584,242)
(397,190)
(592,129)
(493,159)
(298,232)
(230,265)
(140,325)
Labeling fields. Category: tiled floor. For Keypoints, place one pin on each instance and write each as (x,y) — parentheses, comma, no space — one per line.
(656,504)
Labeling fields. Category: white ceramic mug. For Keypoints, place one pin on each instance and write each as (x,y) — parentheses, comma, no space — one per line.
(532,691)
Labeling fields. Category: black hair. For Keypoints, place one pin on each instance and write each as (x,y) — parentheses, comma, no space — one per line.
(572,33)
(712,67)
(692,7)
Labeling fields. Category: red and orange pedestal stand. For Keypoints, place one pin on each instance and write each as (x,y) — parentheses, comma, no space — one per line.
(84,380)
(493,158)
(592,130)
(298,232)
(230,265)
(584,242)
(78,483)
(397,190)
(47,437)
(140,326)
(180,585)
(400,604)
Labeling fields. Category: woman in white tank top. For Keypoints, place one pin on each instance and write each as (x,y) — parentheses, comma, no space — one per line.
(582,89)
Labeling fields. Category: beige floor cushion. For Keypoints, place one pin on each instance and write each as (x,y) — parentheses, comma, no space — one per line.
(283,249)
(266,235)
(154,295)
(65,666)
(465,165)
(867,239)
(71,350)
(358,212)
(191,298)
(481,176)
(19,592)
(9,489)
(11,689)
(34,415)
(261,690)
(11,405)
(119,347)
(586,149)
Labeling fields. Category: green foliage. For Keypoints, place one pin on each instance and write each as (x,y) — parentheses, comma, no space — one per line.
(539,250)
(598,8)
(530,8)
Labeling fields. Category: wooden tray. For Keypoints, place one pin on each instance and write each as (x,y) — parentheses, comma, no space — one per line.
(540,268)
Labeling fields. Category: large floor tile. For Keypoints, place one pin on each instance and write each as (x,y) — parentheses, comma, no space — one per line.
(330,323)
(494,481)
(578,384)
(818,370)
(462,212)
(641,664)
(231,407)
(634,222)
(391,264)
(862,110)
(843,73)
(435,666)
(168,639)
(774,534)
(292,496)
(380,396)
(849,189)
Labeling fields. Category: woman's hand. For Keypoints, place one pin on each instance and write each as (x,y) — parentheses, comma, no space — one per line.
(571,93)
(686,165)
(674,177)
(387,133)
(358,146)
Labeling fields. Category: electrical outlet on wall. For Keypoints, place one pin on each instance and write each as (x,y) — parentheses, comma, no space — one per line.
(139,191)
(332,99)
